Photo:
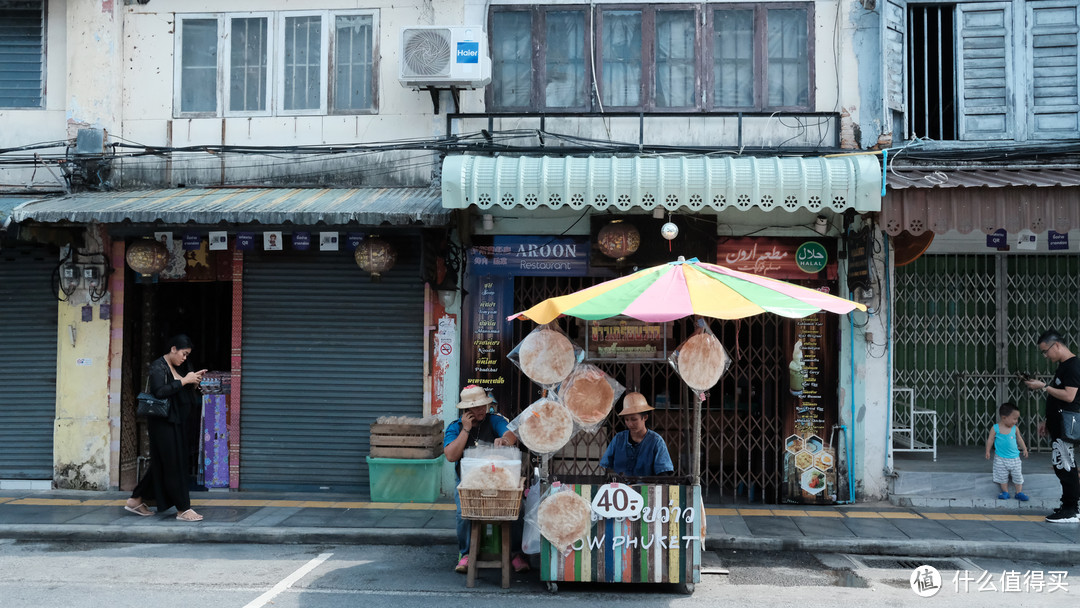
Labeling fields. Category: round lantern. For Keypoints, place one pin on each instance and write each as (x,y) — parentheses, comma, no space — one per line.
(618,240)
(375,256)
(147,256)
(669,231)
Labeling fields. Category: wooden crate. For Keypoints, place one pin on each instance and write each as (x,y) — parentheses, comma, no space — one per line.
(406,441)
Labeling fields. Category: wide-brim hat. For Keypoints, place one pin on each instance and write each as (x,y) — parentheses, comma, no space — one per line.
(473,396)
(635,403)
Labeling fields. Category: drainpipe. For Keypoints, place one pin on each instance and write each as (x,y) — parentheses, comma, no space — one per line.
(888,360)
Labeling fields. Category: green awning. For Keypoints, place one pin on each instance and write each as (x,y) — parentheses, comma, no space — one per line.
(673,182)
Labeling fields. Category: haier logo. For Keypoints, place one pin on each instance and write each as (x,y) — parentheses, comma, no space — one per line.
(468,52)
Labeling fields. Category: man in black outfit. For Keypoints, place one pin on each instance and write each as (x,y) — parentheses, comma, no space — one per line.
(1061,393)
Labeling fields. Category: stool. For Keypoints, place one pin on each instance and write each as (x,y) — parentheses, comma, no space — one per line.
(474,552)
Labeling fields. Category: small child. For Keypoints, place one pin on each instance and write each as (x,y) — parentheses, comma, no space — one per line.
(1004,438)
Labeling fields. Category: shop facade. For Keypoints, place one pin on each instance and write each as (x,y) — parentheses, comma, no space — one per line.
(757,422)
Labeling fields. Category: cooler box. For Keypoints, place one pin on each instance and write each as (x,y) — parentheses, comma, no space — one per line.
(400,480)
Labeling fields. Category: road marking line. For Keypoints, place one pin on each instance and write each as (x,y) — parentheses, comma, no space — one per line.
(265,598)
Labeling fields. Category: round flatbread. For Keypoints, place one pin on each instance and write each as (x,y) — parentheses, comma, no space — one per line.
(546,427)
(564,518)
(702,360)
(546,357)
(588,395)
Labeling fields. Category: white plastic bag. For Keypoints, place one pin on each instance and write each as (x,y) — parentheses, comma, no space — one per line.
(530,535)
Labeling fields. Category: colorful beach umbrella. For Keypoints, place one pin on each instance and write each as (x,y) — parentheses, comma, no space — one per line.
(688,287)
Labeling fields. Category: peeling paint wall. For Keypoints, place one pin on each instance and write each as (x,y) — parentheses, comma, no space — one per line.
(867,44)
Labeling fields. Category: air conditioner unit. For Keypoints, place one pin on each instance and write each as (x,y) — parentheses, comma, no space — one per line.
(444,57)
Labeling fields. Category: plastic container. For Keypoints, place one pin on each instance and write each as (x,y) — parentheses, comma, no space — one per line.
(400,480)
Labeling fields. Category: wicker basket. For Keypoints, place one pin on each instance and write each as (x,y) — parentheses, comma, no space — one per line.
(491,504)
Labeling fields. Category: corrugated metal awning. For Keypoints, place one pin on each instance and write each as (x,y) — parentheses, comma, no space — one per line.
(302,206)
(967,200)
(8,203)
(675,182)
(910,177)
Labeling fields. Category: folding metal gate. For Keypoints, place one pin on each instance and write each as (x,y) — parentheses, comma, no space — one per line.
(966,323)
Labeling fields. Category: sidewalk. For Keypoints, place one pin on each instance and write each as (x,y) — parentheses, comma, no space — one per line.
(249,517)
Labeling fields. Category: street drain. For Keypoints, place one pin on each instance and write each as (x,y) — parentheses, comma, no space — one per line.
(910,563)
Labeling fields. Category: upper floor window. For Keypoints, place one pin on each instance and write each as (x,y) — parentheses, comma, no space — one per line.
(22,53)
(663,57)
(295,63)
(984,71)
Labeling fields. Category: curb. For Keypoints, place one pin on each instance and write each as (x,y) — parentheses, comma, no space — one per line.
(917,548)
(211,534)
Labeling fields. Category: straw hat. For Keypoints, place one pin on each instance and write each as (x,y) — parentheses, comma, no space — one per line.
(634,403)
(473,396)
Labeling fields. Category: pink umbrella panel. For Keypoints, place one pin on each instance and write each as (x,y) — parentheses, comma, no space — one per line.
(688,287)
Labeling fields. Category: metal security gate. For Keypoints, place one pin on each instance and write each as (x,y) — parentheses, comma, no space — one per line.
(965,324)
(325,352)
(742,420)
(27,363)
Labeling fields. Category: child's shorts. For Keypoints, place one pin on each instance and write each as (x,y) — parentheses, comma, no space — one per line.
(1003,467)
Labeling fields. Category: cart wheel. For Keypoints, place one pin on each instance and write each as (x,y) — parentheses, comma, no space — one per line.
(685,588)
(552,587)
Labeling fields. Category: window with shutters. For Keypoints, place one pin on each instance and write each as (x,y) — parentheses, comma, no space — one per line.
(985,71)
(287,64)
(22,53)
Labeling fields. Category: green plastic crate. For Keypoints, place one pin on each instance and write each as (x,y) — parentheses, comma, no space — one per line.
(401,480)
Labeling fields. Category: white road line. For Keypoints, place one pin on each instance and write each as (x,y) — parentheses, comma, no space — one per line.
(288,581)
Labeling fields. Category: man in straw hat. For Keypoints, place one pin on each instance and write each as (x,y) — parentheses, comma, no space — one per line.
(637,451)
(475,425)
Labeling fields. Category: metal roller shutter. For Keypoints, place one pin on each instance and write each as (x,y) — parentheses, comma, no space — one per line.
(27,364)
(325,352)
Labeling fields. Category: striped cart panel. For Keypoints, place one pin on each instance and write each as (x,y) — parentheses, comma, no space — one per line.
(662,545)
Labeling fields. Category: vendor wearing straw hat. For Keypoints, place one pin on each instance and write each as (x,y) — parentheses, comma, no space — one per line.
(637,451)
(476,425)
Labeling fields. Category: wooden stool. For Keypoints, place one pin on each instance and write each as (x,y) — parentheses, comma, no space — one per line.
(474,552)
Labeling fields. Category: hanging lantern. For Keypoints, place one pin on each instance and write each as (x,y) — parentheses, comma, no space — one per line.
(669,231)
(618,240)
(147,257)
(375,256)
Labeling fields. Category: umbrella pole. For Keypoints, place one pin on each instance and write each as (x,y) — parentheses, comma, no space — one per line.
(695,451)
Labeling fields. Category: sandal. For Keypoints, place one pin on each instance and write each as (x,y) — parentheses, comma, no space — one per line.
(189,515)
(140,509)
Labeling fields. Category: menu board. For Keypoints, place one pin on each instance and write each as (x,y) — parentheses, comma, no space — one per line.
(810,463)
(486,334)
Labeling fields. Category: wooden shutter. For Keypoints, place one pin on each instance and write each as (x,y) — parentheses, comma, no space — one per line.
(1052,54)
(22,54)
(984,71)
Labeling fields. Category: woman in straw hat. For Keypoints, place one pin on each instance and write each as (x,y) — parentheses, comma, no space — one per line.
(637,451)
(477,424)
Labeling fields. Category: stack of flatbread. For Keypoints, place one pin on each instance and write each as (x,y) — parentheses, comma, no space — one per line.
(545,426)
(702,360)
(490,477)
(564,518)
(546,357)
(588,395)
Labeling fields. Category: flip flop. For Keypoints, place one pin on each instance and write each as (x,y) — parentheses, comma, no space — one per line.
(140,509)
(186,517)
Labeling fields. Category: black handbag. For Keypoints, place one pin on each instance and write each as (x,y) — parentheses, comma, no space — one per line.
(150,406)
(1070,425)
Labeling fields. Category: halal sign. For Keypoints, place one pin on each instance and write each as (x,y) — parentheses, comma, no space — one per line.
(811,257)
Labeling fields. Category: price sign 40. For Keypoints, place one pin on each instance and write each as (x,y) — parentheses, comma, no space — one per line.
(616,500)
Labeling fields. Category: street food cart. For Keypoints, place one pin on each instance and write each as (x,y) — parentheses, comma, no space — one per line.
(651,530)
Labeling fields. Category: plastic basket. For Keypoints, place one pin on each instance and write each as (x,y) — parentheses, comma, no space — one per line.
(491,504)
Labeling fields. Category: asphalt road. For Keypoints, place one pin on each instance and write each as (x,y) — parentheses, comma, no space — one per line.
(108,575)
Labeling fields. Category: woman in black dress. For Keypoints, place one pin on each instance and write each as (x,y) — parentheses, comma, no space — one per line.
(167,478)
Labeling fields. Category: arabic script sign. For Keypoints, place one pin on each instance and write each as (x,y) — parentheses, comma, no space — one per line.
(780,257)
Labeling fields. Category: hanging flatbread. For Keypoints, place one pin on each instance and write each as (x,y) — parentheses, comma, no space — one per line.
(546,357)
(490,477)
(545,427)
(588,395)
(564,518)
(702,360)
